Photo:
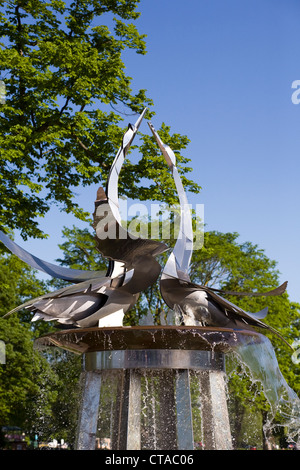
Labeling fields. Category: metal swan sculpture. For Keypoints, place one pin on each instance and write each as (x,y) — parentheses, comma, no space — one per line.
(200,305)
(99,298)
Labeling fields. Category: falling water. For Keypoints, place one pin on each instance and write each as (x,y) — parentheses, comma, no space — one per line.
(158,389)
(260,362)
(148,411)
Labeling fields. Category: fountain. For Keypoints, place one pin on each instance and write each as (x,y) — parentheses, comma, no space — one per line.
(151,369)
(171,352)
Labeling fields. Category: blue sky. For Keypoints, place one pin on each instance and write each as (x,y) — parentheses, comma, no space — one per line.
(221,72)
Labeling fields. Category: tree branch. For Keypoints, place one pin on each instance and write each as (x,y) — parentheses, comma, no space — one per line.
(64,106)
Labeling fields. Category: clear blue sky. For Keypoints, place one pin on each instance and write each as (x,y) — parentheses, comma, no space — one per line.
(221,72)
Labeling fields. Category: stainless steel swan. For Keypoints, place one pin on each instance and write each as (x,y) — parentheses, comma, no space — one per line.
(99,298)
(200,305)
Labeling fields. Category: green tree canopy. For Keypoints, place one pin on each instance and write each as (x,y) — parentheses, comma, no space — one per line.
(60,125)
(26,380)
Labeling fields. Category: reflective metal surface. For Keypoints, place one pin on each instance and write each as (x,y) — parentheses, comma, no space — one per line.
(178,264)
(85,340)
(72,275)
(216,432)
(153,359)
(88,412)
(114,242)
(185,436)
(101,299)
(200,305)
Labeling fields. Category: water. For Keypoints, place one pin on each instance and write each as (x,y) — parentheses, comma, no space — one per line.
(257,357)
(259,361)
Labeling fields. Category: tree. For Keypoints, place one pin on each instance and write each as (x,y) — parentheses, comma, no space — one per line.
(25,372)
(61,421)
(61,63)
(38,389)
(225,263)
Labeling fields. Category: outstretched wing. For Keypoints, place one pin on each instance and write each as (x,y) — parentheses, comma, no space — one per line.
(113,240)
(178,262)
(277,291)
(91,285)
(175,281)
(60,272)
(249,318)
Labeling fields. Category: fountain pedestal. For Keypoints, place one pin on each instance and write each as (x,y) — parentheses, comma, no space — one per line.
(173,394)
(172,355)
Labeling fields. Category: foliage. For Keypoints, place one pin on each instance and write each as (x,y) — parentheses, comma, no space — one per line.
(61,63)
(79,250)
(25,372)
(226,263)
(62,421)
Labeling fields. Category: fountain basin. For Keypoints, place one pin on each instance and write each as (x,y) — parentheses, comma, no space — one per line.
(192,338)
(125,355)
